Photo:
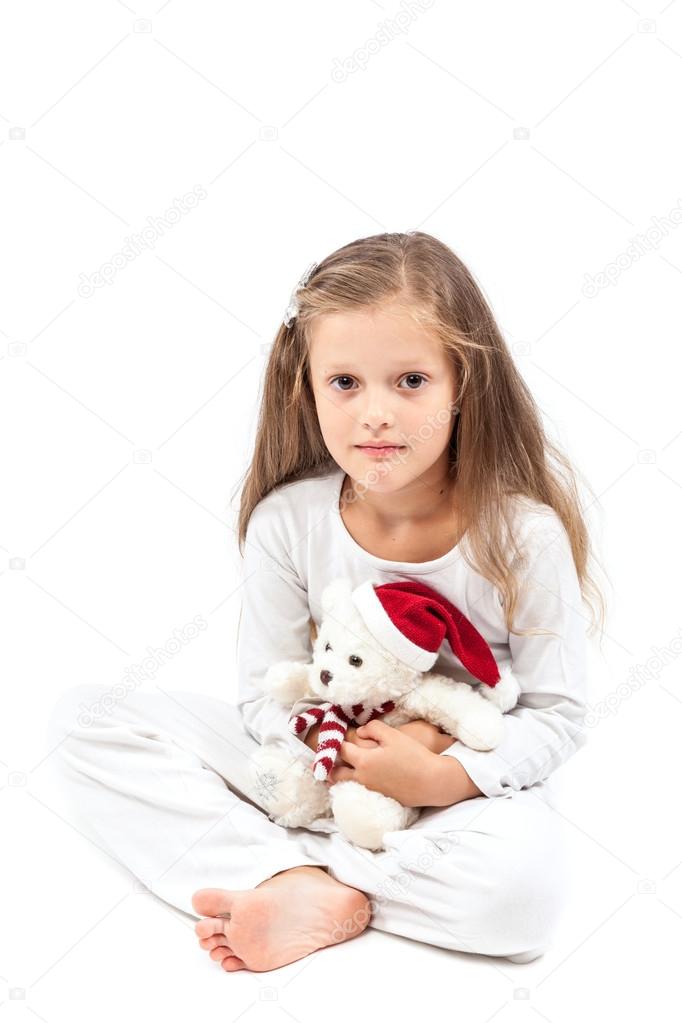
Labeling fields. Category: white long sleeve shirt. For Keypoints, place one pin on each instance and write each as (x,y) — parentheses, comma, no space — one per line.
(297,543)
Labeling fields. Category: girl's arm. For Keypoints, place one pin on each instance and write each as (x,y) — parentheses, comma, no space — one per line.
(545,728)
(401,767)
(449,783)
(274,623)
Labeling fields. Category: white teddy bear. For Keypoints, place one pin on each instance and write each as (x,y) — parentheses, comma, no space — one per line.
(371,658)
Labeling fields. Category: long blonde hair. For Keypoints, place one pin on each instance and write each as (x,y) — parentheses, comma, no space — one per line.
(498,447)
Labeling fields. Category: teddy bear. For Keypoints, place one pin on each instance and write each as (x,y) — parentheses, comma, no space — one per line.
(371,658)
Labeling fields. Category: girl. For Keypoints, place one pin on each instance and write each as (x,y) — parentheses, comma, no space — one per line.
(396,440)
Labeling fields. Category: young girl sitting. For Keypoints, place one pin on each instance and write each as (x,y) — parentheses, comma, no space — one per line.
(396,440)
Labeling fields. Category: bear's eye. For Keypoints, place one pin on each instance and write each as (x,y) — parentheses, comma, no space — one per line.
(355,660)
(327,647)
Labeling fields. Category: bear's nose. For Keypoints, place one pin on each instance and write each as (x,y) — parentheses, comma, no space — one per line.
(325,677)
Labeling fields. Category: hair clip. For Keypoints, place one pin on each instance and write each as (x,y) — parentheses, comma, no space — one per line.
(292,309)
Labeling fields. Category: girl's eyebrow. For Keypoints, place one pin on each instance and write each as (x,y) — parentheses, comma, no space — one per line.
(399,365)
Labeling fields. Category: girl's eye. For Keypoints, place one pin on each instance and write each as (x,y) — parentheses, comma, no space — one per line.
(409,376)
(341,378)
(412,376)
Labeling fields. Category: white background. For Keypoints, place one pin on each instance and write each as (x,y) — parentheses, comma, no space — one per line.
(537,140)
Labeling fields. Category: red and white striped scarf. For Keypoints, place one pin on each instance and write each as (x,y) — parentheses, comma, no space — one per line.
(335,720)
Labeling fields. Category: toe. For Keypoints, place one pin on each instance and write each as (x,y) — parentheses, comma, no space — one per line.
(214,942)
(220,953)
(212,901)
(232,963)
(208,927)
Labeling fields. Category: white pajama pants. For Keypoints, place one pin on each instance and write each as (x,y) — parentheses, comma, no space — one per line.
(160,782)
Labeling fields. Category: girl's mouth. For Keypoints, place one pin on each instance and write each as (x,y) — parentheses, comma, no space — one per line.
(379,452)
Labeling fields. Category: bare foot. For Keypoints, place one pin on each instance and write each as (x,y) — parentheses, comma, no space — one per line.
(284,918)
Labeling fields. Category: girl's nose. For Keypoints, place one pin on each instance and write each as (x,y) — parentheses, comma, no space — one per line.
(378,420)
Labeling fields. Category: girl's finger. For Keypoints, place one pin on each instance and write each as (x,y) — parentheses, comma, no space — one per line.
(350,752)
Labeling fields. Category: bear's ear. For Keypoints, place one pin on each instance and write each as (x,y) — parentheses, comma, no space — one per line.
(336,597)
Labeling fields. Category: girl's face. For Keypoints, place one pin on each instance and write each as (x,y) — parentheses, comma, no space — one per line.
(378,377)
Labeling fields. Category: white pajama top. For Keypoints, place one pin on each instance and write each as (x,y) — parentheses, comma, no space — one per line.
(297,543)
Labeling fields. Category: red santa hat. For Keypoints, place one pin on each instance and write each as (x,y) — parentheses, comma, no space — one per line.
(410,620)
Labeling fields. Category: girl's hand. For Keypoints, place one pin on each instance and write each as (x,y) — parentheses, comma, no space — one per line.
(313,738)
(352,736)
(399,766)
(428,735)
